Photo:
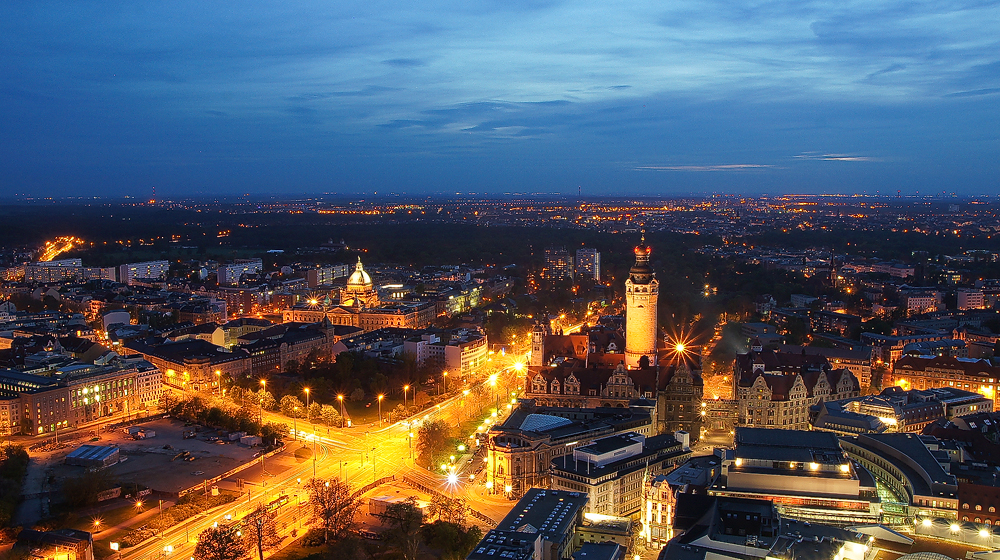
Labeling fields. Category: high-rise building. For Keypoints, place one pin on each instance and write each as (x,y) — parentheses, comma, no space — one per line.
(129,273)
(641,295)
(558,264)
(230,274)
(970,299)
(588,264)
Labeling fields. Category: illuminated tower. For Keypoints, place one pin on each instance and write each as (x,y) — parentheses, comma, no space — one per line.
(538,344)
(641,294)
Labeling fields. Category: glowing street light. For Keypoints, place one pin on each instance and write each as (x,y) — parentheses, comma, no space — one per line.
(343,417)
(380,397)
(405,389)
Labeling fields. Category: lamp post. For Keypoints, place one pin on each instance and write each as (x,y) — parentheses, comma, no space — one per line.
(405,389)
(263,389)
(343,417)
(380,397)
(308,417)
(445,375)
(218,380)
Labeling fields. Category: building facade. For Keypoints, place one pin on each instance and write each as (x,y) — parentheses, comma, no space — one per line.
(520,451)
(588,264)
(641,298)
(611,471)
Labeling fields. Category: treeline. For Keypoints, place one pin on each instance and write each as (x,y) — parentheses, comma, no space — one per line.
(13,467)
(352,375)
(224,416)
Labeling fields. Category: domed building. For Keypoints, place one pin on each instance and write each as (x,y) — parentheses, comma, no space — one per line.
(359,292)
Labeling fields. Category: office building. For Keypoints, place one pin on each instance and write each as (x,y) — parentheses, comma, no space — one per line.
(77,394)
(558,264)
(131,272)
(970,299)
(542,526)
(520,451)
(588,264)
(926,372)
(807,475)
(914,467)
(612,470)
(716,528)
(897,410)
(230,274)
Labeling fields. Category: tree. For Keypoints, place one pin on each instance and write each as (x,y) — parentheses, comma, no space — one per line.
(453,542)
(220,543)
(330,415)
(260,530)
(292,407)
(451,510)
(432,438)
(266,399)
(333,506)
(404,520)
(314,411)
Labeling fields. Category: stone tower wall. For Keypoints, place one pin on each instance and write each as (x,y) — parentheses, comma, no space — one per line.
(640,321)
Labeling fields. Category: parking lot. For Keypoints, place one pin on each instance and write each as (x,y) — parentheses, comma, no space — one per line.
(170,463)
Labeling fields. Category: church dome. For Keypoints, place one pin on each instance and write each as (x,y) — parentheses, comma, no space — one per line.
(359,277)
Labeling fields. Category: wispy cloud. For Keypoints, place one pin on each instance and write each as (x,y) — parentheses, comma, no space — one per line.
(816,156)
(723,167)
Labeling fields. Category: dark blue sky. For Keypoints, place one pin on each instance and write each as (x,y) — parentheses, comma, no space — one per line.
(109,98)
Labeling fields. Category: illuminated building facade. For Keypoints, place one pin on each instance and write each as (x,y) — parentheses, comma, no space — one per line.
(612,470)
(806,474)
(520,451)
(926,372)
(76,394)
(641,297)
(588,264)
(558,264)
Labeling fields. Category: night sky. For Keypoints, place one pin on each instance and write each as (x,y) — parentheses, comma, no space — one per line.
(488,96)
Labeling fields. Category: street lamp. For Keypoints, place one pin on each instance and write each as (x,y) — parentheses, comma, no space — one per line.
(218,380)
(380,397)
(405,389)
(307,404)
(263,389)
(343,417)
(445,375)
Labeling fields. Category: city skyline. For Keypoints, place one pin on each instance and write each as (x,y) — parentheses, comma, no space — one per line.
(496,98)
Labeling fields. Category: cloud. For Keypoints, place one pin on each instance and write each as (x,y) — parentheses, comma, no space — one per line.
(577,84)
(404,62)
(984,91)
(816,156)
(887,70)
(723,167)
